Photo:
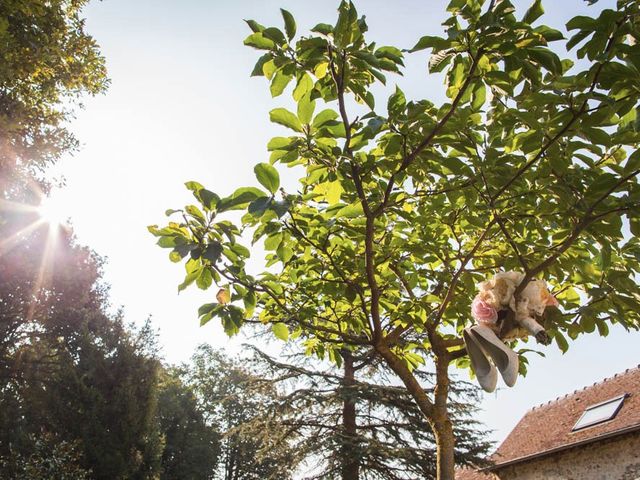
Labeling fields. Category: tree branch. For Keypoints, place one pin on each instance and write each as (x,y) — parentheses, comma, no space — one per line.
(408,160)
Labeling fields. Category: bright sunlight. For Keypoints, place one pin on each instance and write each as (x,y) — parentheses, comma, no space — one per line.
(54,210)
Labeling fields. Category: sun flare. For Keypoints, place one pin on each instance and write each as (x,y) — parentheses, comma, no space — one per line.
(53,211)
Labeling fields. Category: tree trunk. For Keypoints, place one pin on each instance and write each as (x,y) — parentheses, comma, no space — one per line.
(445,443)
(435,412)
(349,454)
(442,426)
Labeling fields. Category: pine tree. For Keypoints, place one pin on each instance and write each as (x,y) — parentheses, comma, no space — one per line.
(354,423)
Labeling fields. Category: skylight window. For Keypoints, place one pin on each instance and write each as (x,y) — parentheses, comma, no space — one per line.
(599,413)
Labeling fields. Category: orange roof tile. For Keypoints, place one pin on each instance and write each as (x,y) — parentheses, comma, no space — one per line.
(548,427)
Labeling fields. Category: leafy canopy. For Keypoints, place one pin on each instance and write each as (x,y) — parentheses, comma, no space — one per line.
(47,61)
(531,165)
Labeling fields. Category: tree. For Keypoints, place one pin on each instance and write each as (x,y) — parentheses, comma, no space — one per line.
(96,390)
(62,357)
(228,397)
(50,287)
(47,61)
(51,458)
(108,384)
(191,446)
(531,164)
(370,428)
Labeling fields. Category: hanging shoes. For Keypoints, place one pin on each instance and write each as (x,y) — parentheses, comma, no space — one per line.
(485,371)
(505,359)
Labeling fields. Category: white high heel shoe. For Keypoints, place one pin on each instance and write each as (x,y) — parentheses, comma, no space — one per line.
(505,359)
(485,372)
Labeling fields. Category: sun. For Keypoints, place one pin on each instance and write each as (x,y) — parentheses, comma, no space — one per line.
(53,211)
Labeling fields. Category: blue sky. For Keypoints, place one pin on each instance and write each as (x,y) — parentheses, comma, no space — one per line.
(182,107)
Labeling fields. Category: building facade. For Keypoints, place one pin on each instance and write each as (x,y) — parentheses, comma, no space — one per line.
(591,434)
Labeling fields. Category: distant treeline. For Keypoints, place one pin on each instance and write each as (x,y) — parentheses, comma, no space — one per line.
(84,396)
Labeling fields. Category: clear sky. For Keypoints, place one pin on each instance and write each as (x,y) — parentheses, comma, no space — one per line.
(182,107)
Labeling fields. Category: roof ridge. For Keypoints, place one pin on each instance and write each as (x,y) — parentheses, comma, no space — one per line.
(606,379)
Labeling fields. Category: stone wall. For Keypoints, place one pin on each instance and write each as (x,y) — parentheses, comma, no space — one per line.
(614,459)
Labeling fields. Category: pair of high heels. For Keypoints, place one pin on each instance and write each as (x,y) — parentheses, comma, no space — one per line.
(488,355)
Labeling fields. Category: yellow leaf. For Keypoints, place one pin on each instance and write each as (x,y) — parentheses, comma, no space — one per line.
(321,70)
(223,296)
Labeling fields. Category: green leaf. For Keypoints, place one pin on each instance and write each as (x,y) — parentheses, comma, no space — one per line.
(439,60)
(208,199)
(501,80)
(323,28)
(561,342)
(272,241)
(430,42)
(189,279)
(334,191)
(206,308)
(258,68)
(549,34)
(323,117)
(274,34)
(368,57)
(240,250)
(347,20)
(455,5)
(254,26)
(249,300)
(205,279)
(240,198)
(286,118)
(257,40)
(269,68)
(284,253)
(535,11)
(212,252)
(195,212)
(577,38)
(289,23)
(280,330)
(546,58)
(605,257)
(279,83)
(478,96)
(207,311)
(304,85)
(633,163)
(259,206)
(175,256)
(581,22)
(351,211)
(268,176)
(167,242)
(306,107)
(232,319)
(193,186)
(397,103)
(282,143)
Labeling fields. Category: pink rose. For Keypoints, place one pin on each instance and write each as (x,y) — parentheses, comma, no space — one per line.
(482,312)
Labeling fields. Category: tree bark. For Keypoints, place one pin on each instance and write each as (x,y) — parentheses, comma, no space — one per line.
(349,454)
(445,443)
(435,412)
(442,426)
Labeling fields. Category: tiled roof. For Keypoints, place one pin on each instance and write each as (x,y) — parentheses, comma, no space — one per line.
(547,428)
